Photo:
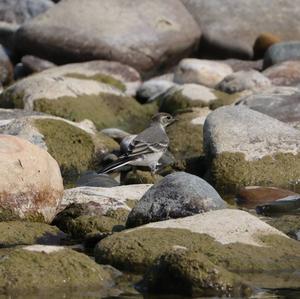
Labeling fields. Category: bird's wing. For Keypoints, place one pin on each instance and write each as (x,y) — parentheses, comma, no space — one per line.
(138,147)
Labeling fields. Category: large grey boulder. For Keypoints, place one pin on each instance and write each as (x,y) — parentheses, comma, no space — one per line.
(145,34)
(246,147)
(230,27)
(177,195)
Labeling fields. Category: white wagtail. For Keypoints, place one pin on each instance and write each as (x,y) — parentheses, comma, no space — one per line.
(146,148)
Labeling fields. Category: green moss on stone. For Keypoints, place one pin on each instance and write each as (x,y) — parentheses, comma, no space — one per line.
(190,273)
(71,147)
(86,224)
(230,171)
(177,101)
(137,249)
(7,214)
(99,78)
(140,177)
(14,233)
(105,110)
(224,99)
(186,139)
(24,272)
(288,224)
(119,214)
(12,99)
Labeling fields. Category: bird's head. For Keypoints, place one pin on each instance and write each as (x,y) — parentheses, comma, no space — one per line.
(164,119)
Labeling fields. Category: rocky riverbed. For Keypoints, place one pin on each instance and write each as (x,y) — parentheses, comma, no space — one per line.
(79,79)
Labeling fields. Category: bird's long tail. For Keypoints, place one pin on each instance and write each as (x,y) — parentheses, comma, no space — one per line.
(115,165)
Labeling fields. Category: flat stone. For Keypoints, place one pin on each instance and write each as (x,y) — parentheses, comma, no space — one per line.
(150,36)
(233,240)
(204,72)
(251,196)
(109,198)
(287,205)
(177,195)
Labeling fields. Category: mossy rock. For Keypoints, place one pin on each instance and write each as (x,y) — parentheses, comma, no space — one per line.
(231,171)
(102,78)
(185,272)
(186,142)
(224,99)
(14,233)
(137,249)
(288,224)
(105,110)
(140,177)
(79,220)
(39,269)
(178,101)
(74,149)
(186,138)
(83,225)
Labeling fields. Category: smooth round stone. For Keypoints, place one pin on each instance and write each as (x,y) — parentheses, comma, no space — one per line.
(286,73)
(199,71)
(281,52)
(263,42)
(251,196)
(148,35)
(177,195)
(31,186)
(92,179)
(243,80)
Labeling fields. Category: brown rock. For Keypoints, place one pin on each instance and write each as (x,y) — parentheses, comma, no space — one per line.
(31,184)
(252,196)
(263,42)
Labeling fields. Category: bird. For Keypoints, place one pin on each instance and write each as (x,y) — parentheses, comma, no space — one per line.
(146,148)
